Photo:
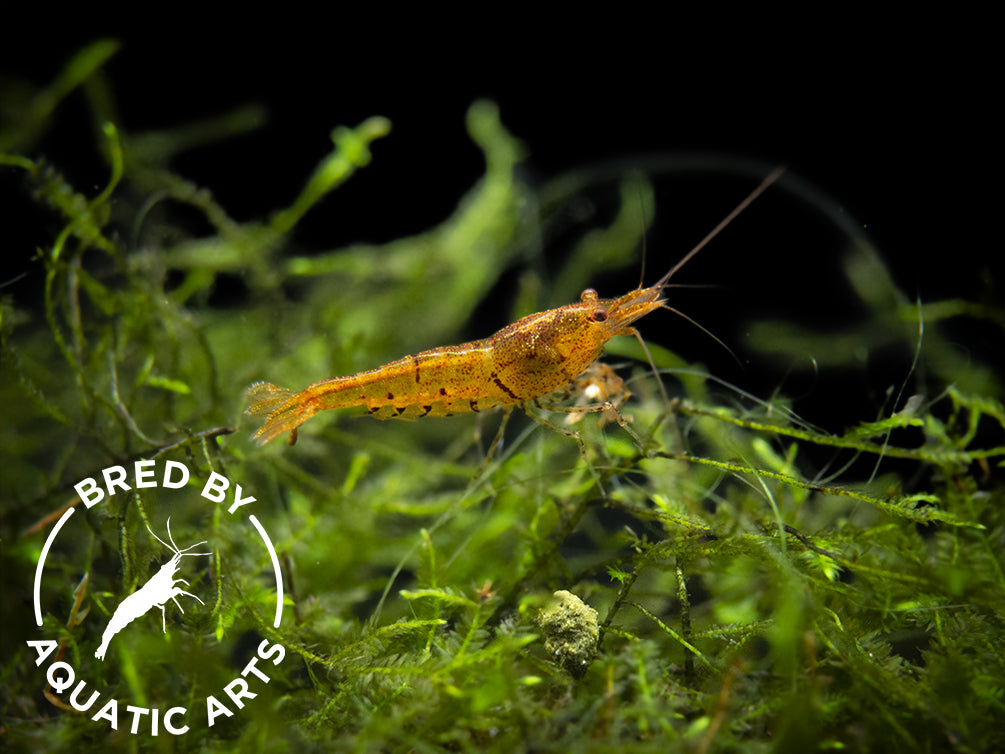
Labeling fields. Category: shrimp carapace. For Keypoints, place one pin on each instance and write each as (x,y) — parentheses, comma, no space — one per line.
(534,357)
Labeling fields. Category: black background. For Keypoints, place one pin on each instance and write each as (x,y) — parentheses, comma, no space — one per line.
(899,119)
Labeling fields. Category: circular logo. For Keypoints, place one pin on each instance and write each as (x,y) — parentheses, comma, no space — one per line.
(169,586)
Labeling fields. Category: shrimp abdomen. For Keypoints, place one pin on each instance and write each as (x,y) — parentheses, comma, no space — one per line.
(439,382)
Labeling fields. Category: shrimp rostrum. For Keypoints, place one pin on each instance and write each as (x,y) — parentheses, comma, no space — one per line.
(532,358)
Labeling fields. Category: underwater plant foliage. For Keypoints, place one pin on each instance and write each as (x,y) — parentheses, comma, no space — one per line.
(722,588)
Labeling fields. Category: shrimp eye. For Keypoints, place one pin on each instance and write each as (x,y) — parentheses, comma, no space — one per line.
(588,295)
(599,315)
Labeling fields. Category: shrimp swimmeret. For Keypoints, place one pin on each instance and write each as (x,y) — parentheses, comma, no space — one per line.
(534,357)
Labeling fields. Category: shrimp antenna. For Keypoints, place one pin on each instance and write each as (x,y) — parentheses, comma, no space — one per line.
(642,214)
(662,282)
(705,330)
(173,547)
(171,537)
(771,178)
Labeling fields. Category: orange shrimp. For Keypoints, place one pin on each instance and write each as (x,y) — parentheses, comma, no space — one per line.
(534,357)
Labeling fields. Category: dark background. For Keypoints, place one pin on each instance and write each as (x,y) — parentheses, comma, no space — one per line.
(898,119)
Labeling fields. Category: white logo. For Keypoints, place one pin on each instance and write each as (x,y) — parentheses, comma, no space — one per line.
(161,587)
(165,586)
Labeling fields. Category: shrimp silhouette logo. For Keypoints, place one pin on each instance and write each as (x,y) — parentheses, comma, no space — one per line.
(161,587)
(183,690)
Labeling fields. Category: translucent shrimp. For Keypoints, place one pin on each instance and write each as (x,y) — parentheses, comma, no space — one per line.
(532,358)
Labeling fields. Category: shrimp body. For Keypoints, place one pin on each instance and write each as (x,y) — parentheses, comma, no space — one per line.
(160,588)
(531,358)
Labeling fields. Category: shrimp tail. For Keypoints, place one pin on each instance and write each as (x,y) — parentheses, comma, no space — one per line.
(283,408)
(124,614)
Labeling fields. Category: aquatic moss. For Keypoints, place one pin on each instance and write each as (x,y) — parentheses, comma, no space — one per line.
(745,599)
(570,632)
